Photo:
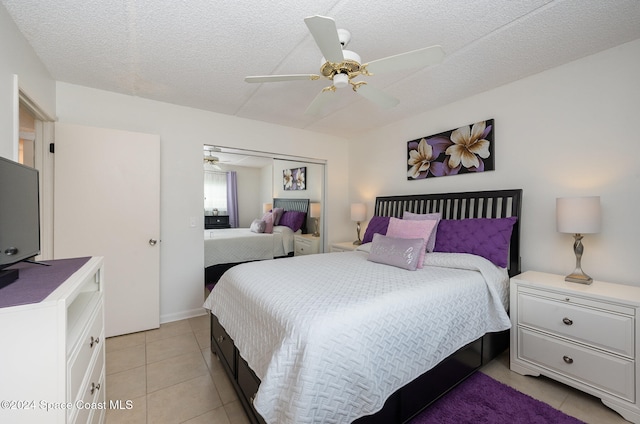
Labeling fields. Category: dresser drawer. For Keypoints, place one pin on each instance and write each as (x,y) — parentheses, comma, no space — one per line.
(249,385)
(91,341)
(93,395)
(597,327)
(224,342)
(605,372)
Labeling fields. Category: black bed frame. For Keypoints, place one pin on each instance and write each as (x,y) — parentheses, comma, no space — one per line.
(411,399)
(213,273)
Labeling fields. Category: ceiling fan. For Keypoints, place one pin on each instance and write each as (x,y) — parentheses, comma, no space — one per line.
(211,161)
(342,66)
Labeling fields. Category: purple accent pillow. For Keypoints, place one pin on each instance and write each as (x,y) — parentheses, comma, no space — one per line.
(405,228)
(293,219)
(277,215)
(399,252)
(486,237)
(378,224)
(437,216)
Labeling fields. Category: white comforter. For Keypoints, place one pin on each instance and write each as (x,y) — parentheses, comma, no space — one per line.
(233,245)
(331,336)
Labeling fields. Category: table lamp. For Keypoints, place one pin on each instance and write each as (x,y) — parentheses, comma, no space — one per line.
(314,213)
(358,214)
(578,216)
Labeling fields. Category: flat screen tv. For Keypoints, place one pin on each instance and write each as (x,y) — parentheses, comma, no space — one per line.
(19,216)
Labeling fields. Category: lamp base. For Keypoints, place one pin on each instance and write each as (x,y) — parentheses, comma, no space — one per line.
(581,278)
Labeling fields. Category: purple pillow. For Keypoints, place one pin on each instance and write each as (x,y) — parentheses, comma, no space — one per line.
(436,216)
(378,224)
(399,252)
(486,237)
(293,219)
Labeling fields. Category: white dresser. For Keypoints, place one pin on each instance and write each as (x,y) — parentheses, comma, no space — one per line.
(52,359)
(585,336)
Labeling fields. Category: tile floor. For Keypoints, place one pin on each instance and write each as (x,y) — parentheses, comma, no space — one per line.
(170,376)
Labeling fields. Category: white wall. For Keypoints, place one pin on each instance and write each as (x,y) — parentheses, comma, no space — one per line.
(569,131)
(18,58)
(183,131)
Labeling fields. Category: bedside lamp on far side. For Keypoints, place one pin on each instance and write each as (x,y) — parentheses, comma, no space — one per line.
(358,214)
(314,212)
(578,216)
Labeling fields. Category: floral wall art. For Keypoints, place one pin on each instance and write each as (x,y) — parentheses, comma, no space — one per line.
(460,151)
(294,179)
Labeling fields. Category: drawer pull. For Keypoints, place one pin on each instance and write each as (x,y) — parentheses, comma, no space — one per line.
(221,339)
(567,321)
(568,359)
(94,387)
(93,341)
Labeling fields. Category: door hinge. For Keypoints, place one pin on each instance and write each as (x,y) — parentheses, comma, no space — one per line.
(52,148)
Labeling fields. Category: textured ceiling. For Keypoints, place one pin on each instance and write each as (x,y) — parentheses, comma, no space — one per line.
(197,52)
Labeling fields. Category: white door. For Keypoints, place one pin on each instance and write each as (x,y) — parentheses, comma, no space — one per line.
(107,203)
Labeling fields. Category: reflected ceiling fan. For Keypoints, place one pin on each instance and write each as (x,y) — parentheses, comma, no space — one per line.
(212,161)
(342,66)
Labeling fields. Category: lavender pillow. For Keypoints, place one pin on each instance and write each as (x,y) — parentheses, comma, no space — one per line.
(399,252)
(378,224)
(437,216)
(486,237)
(293,219)
(409,229)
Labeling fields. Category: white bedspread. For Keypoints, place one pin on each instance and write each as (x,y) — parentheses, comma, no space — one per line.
(232,245)
(331,336)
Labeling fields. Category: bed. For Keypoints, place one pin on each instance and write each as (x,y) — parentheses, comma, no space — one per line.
(339,337)
(225,248)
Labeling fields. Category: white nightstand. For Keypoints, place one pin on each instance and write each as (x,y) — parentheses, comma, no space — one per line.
(585,336)
(345,246)
(306,244)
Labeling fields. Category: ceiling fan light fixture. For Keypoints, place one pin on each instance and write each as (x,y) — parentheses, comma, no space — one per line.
(340,80)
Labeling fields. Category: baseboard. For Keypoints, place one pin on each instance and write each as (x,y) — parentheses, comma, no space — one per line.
(182,315)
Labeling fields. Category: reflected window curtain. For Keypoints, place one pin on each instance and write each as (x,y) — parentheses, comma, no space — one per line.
(215,191)
(232,198)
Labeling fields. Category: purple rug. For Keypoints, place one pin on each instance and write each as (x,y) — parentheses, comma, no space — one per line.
(481,399)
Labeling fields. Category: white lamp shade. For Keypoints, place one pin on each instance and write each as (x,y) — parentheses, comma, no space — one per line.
(358,212)
(314,210)
(578,215)
(266,207)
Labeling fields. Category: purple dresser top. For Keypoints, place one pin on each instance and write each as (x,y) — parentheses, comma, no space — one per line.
(36,282)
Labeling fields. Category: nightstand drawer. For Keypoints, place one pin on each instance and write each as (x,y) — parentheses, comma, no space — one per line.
(609,373)
(305,245)
(597,327)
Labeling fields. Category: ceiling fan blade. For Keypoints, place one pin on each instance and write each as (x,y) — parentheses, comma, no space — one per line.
(377,96)
(413,59)
(278,78)
(320,101)
(325,33)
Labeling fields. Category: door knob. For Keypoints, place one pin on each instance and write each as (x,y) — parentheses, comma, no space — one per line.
(152,242)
